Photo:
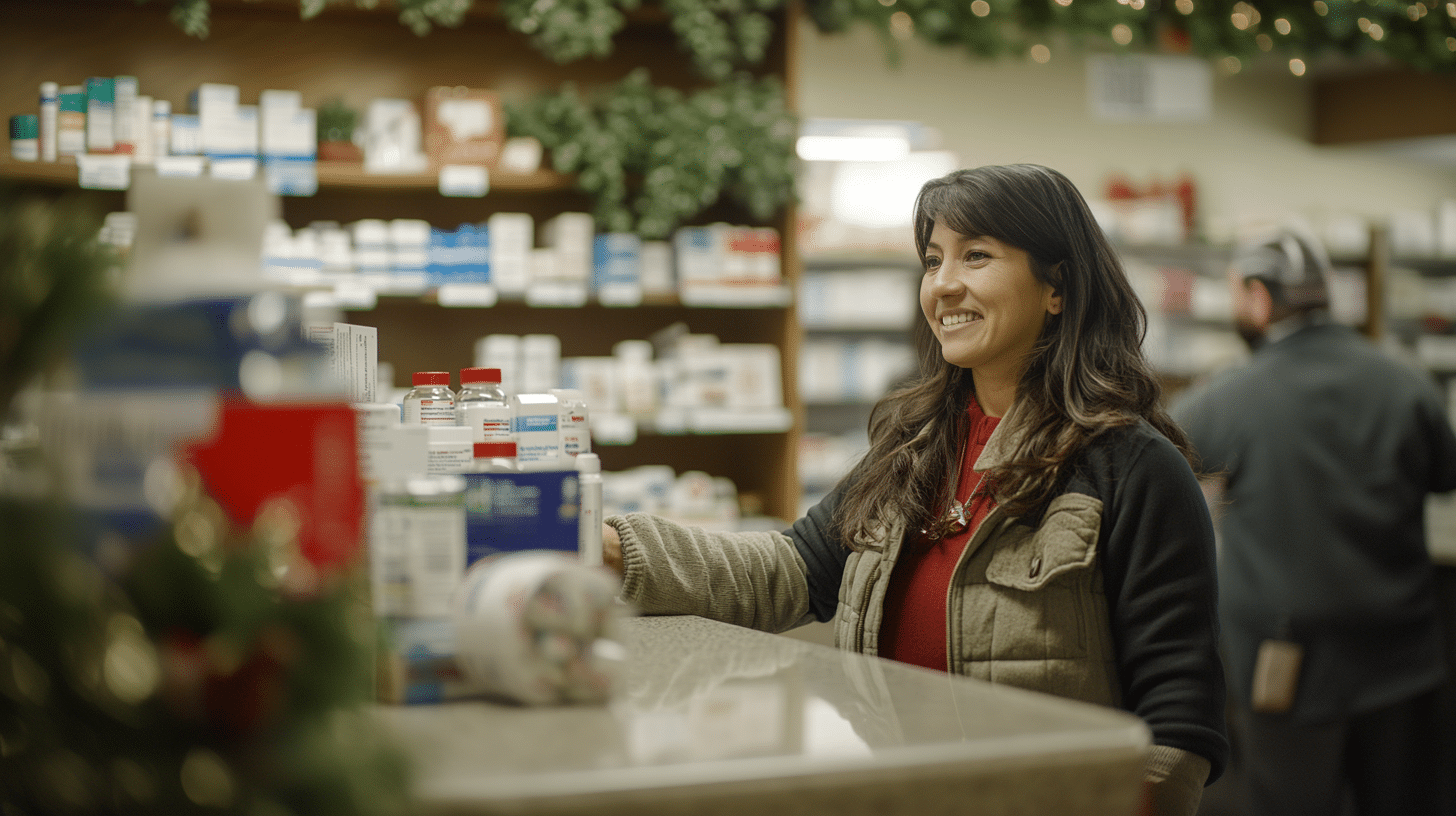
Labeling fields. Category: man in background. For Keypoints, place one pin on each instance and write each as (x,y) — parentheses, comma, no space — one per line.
(1323,450)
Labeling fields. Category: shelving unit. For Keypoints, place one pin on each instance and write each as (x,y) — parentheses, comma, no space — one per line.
(358,55)
(877,317)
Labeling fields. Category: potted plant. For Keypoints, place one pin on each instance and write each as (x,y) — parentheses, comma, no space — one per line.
(336,123)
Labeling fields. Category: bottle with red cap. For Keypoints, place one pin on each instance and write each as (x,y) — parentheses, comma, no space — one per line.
(482,405)
(495,457)
(430,401)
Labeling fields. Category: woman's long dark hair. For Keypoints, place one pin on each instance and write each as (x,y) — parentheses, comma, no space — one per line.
(1086,373)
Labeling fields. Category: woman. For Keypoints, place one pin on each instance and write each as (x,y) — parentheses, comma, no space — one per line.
(1025,514)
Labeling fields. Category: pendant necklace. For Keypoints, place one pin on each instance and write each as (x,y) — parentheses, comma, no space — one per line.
(957,516)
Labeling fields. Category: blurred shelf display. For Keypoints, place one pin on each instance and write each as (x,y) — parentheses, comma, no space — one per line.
(425,323)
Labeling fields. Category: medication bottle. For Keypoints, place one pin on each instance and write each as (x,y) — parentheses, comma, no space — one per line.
(417,545)
(482,406)
(589,543)
(495,457)
(25,137)
(575,433)
(50,105)
(450,449)
(430,402)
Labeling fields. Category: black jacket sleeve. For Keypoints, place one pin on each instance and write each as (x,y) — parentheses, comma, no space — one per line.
(1161,582)
(823,556)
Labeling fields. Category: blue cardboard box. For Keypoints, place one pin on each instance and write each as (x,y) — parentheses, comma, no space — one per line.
(508,512)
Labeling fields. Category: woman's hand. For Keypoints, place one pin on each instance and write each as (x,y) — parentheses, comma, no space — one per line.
(611,548)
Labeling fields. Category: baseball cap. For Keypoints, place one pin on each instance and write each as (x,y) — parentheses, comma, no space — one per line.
(1296,262)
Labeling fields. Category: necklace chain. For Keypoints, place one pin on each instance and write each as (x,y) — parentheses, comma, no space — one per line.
(957,515)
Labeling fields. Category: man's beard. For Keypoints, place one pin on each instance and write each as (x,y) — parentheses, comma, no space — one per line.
(1253,335)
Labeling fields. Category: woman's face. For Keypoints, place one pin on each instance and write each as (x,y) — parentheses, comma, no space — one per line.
(983,303)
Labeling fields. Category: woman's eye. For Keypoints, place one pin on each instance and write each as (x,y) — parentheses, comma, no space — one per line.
(931,264)
(976,255)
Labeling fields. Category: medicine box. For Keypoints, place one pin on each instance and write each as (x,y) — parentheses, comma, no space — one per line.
(463,126)
(508,512)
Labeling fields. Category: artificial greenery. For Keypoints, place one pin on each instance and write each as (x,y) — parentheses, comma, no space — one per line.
(652,157)
(724,34)
(52,282)
(568,30)
(1420,34)
(336,121)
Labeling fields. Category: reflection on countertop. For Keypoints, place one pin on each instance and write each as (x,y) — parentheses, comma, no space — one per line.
(715,718)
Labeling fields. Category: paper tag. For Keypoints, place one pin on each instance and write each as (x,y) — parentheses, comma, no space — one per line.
(466,294)
(179,166)
(104,171)
(464,180)
(234,169)
(1276,676)
(355,295)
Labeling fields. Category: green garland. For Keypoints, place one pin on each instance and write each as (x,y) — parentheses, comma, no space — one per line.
(1420,34)
(723,35)
(653,157)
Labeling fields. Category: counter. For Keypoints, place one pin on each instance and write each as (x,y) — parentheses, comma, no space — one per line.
(715,719)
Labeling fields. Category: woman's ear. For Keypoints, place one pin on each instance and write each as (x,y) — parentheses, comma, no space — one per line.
(1054,299)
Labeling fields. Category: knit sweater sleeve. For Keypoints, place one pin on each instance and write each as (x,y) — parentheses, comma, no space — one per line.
(751,579)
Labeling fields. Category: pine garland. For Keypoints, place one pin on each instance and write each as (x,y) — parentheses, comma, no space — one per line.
(724,35)
(654,157)
(568,30)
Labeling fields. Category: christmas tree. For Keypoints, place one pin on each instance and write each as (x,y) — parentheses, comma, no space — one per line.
(199,664)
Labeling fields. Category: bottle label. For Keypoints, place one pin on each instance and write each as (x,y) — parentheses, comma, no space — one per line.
(429,412)
(490,423)
(575,438)
(448,459)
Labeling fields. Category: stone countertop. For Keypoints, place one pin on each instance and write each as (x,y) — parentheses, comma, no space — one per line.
(710,718)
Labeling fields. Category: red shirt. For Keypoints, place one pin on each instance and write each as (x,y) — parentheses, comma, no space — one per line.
(913,630)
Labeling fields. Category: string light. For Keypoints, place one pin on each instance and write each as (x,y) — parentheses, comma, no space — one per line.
(1376,32)
(1281,25)
(902,25)
(980,8)
(1041,53)
(1451,43)
(1184,6)
(1265,42)
(1064,2)
(1230,65)
(1121,34)
(1296,67)
(1321,9)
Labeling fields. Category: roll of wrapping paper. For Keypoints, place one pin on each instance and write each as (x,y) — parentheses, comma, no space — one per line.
(539,627)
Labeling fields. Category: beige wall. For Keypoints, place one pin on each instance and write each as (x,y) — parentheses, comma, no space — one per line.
(1251,161)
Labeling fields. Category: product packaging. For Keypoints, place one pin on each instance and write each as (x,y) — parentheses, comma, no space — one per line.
(509,512)
(539,628)
(463,126)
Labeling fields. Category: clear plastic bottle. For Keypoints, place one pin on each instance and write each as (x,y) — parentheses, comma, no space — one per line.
(589,535)
(430,401)
(482,405)
(574,422)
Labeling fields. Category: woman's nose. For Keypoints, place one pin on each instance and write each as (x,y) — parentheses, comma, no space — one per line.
(945,282)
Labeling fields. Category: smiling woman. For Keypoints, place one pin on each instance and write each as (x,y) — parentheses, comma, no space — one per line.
(1025,514)
(987,307)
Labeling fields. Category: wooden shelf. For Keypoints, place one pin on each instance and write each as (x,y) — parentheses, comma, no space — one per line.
(331,175)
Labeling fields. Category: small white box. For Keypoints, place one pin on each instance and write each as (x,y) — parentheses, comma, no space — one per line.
(512,237)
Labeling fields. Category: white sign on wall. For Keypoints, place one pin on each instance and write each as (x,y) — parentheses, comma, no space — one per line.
(1149,88)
